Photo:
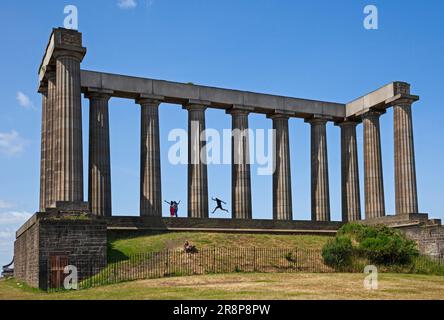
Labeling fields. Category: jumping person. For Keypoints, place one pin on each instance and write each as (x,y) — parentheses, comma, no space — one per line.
(219,205)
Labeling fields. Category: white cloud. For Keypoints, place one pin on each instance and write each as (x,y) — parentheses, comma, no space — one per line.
(13,218)
(9,223)
(5,204)
(127,4)
(24,100)
(11,143)
(7,234)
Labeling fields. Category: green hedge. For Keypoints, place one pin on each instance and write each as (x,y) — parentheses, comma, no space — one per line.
(378,245)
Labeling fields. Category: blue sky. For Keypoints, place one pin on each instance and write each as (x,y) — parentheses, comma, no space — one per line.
(309,49)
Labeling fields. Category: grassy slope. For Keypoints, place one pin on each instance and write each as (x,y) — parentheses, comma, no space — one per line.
(250,286)
(120,246)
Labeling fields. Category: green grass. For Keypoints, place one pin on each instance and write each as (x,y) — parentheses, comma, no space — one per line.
(121,245)
(247,286)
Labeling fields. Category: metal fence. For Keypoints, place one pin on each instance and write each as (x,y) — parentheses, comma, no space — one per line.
(93,273)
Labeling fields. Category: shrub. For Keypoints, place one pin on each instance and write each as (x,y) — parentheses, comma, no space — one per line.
(337,253)
(353,230)
(388,248)
(378,245)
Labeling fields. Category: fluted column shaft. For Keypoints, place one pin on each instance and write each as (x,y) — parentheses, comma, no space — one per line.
(282,200)
(351,200)
(320,193)
(51,138)
(405,171)
(374,183)
(150,170)
(99,185)
(43,151)
(197,164)
(68,178)
(240,160)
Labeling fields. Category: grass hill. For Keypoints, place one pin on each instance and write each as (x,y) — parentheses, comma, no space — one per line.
(122,245)
(248,286)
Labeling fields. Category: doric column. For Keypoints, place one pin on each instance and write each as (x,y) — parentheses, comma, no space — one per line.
(405,171)
(282,201)
(374,183)
(150,170)
(43,150)
(68,177)
(240,164)
(197,166)
(351,203)
(320,194)
(99,184)
(50,138)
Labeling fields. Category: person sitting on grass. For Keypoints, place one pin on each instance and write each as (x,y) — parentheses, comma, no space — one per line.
(188,248)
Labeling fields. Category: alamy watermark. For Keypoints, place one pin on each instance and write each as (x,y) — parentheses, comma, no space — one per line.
(371,21)
(72,17)
(371,281)
(211,147)
(71,280)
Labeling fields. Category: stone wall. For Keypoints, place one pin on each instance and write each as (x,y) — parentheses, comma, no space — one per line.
(26,253)
(83,241)
(430,239)
(222,225)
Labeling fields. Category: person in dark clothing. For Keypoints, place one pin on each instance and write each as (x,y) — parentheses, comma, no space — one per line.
(219,205)
(176,208)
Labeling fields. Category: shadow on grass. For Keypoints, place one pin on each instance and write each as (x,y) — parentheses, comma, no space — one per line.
(114,254)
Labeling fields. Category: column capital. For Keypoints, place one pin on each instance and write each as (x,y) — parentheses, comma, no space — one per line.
(280,114)
(194,107)
(50,75)
(149,99)
(402,99)
(239,110)
(373,113)
(347,123)
(93,93)
(318,120)
(43,87)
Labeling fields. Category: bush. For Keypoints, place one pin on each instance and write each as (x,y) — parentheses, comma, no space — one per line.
(387,249)
(337,253)
(378,245)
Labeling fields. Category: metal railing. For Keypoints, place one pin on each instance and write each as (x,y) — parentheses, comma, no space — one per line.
(170,263)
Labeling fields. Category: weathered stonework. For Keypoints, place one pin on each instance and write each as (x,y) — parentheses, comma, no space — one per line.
(82,240)
(282,199)
(427,233)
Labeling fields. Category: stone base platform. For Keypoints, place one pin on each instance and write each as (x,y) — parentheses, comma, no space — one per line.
(221,225)
(404,220)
